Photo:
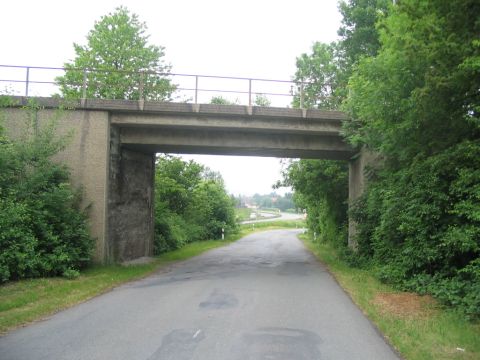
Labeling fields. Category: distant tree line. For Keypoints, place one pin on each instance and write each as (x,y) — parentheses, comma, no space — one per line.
(267,201)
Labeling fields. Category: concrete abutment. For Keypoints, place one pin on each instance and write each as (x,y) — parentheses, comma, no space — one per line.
(130,202)
(357,181)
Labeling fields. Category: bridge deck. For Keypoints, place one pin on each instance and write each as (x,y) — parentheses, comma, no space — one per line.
(151,126)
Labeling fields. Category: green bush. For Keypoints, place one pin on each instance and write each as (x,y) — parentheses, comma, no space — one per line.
(191,204)
(421,226)
(321,187)
(42,230)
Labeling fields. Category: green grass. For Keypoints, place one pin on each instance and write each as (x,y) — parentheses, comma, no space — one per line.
(24,301)
(271,225)
(418,327)
(242,214)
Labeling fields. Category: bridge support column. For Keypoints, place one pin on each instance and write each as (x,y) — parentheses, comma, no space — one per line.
(131,210)
(357,182)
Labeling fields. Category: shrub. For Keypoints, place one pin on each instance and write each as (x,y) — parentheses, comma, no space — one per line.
(421,226)
(191,204)
(42,230)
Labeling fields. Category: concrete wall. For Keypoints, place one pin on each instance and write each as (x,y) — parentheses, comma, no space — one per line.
(131,207)
(87,156)
(357,182)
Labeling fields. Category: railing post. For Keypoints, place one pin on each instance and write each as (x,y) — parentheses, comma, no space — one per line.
(141,100)
(301,95)
(84,88)
(141,86)
(196,89)
(27,80)
(249,92)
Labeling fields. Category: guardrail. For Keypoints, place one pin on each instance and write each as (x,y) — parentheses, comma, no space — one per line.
(41,81)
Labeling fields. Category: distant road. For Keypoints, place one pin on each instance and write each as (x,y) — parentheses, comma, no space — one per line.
(262,297)
(269,217)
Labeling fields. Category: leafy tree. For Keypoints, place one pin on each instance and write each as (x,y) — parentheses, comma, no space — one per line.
(118,61)
(326,70)
(212,209)
(419,95)
(317,73)
(321,187)
(359,36)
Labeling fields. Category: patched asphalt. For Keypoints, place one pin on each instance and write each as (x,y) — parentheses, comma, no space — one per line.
(263,297)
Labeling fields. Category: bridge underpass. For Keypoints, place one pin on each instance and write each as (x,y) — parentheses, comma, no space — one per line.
(112,153)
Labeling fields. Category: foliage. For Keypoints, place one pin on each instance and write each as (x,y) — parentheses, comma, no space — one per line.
(326,70)
(118,62)
(416,103)
(358,33)
(321,187)
(413,74)
(262,100)
(220,100)
(191,204)
(418,95)
(421,226)
(318,74)
(42,230)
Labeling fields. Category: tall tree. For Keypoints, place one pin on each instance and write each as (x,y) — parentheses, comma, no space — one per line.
(326,70)
(317,76)
(118,62)
(359,36)
(418,96)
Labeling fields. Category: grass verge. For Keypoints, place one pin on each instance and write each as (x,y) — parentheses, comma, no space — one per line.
(24,301)
(417,326)
(243,214)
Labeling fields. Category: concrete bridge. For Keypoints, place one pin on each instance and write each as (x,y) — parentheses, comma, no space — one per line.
(112,153)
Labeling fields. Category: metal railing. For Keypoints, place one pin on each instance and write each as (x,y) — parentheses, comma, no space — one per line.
(43,81)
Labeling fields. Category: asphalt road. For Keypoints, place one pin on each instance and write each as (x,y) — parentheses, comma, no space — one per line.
(263,297)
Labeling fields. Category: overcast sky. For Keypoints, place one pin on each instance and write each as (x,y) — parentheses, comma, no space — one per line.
(247,38)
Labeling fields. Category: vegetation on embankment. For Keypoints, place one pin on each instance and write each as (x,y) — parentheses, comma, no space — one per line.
(417,326)
(24,301)
(43,231)
(408,75)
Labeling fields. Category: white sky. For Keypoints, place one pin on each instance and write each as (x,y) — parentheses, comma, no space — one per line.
(247,38)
